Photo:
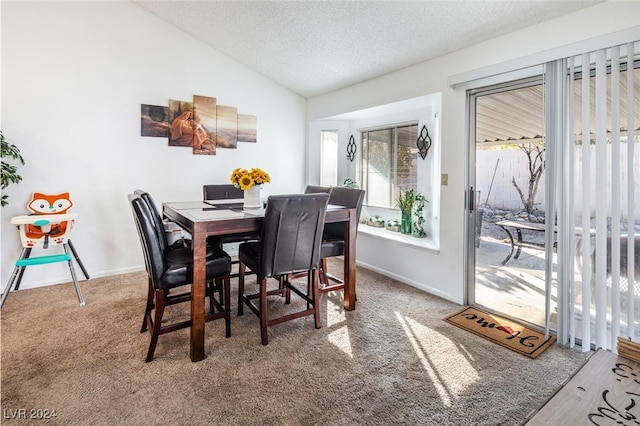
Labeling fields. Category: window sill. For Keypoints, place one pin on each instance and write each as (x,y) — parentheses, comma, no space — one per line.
(396,237)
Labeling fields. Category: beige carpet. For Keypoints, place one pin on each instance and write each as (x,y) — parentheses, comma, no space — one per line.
(391,361)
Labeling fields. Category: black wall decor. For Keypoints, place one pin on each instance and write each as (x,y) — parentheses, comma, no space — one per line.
(424,142)
(351,148)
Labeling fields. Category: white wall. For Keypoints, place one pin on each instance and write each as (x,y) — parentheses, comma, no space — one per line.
(74,75)
(443,273)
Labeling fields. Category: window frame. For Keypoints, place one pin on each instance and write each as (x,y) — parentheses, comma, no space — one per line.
(392,155)
(323,159)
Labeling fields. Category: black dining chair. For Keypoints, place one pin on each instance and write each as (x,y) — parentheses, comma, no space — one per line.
(158,224)
(167,274)
(333,235)
(180,249)
(317,189)
(289,244)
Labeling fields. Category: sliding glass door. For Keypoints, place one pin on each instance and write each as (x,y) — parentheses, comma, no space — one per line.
(506,209)
(553,211)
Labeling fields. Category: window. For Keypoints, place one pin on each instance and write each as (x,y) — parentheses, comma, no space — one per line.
(389,163)
(329,158)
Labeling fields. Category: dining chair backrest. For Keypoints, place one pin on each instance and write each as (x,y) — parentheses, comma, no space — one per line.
(347,197)
(221,192)
(155,218)
(314,189)
(292,233)
(151,247)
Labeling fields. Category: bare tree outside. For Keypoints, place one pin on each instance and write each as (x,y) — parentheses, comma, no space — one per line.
(535,157)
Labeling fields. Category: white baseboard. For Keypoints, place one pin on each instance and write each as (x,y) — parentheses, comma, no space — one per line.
(400,278)
(27,284)
(412,283)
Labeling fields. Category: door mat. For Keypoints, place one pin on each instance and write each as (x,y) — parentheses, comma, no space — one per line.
(502,331)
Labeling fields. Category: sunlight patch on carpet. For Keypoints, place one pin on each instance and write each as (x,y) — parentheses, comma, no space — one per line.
(417,334)
(340,338)
(335,314)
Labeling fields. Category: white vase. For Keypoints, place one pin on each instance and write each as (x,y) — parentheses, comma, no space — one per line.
(252,198)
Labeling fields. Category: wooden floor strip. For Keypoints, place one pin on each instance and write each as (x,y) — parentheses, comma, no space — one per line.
(606,390)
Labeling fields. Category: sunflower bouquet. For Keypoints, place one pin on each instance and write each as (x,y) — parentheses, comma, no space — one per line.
(246,179)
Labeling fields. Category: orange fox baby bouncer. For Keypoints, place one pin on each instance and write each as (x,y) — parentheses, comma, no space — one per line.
(49,225)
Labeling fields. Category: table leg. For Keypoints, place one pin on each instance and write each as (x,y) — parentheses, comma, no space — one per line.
(519,233)
(506,259)
(350,262)
(198,291)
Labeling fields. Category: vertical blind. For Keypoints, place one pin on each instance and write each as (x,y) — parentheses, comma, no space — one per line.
(592,114)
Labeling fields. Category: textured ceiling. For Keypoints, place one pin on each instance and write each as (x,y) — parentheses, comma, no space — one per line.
(314,47)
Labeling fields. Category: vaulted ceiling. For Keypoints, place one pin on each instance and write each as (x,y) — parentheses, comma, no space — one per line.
(314,47)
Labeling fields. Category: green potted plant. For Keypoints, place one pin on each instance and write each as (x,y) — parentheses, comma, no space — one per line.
(418,213)
(9,171)
(393,225)
(406,201)
(350,183)
(376,221)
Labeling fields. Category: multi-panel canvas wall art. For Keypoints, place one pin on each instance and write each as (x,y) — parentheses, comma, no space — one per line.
(205,116)
(180,118)
(227,127)
(247,128)
(155,121)
(201,125)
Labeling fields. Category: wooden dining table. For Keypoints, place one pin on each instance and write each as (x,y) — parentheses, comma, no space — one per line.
(202,220)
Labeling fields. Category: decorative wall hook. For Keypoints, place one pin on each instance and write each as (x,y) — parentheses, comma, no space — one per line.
(424,142)
(351,148)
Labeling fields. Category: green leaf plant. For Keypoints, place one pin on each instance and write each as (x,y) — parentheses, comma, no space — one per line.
(408,199)
(9,174)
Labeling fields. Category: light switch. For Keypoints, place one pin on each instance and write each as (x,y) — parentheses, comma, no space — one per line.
(444,180)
